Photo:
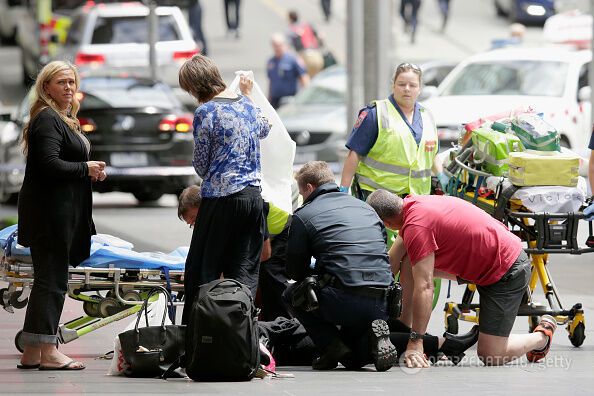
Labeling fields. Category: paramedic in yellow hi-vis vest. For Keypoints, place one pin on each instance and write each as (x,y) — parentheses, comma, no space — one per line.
(394,142)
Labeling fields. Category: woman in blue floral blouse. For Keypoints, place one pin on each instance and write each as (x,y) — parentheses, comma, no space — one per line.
(229,230)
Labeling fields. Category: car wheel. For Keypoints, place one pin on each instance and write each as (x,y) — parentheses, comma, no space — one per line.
(147,196)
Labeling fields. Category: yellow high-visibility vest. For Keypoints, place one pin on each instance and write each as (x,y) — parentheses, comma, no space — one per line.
(395,162)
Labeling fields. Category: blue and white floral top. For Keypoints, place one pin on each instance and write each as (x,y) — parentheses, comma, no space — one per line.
(227,135)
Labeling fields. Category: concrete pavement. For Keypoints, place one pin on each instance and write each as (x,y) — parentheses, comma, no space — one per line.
(566,370)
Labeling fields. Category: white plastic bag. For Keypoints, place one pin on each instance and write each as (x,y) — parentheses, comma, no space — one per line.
(277,150)
(155,316)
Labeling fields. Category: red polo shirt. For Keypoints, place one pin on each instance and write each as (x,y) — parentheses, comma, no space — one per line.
(466,241)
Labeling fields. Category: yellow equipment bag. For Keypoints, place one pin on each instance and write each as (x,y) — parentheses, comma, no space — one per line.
(528,169)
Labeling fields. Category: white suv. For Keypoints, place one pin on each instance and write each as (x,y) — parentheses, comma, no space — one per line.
(551,80)
(115,36)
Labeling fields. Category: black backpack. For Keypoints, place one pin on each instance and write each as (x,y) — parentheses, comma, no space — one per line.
(222,342)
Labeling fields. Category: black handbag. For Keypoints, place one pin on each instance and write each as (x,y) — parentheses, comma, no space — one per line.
(151,350)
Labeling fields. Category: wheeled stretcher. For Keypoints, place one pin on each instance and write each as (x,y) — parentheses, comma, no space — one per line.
(545,218)
(111,283)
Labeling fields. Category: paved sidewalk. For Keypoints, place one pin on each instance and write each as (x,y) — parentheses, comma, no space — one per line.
(566,370)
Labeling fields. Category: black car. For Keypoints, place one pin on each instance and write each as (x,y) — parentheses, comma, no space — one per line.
(140,129)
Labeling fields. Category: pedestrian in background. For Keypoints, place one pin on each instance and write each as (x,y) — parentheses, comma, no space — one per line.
(302,34)
(444,8)
(409,10)
(55,209)
(195,20)
(326,9)
(232,17)
(516,37)
(227,132)
(285,72)
(307,43)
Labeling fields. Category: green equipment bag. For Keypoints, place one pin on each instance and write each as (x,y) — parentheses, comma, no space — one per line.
(492,148)
(535,133)
(530,169)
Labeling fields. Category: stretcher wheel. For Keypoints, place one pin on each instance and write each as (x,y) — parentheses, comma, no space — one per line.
(111,294)
(108,306)
(132,296)
(2,291)
(91,308)
(18,341)
(452,324)
(578,336)
(14,300)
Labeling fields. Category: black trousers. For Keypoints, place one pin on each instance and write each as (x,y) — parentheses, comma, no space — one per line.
(46,301)
(195,19)
(341,315)
(354,314)
(232,16)
(227,239)
(273,280)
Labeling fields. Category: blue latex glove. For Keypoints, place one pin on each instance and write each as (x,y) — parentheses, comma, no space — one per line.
(443,180)
(589,212)
(343,189)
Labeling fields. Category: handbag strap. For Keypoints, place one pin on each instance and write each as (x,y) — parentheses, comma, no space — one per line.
(144,308)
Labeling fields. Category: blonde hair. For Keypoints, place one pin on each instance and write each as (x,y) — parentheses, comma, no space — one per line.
(40,100)
(406,67)
(315,173)
(200,77)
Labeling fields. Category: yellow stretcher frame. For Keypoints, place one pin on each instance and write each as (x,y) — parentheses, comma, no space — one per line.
(534,229)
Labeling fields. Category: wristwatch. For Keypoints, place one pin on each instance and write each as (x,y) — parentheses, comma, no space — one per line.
(415,336)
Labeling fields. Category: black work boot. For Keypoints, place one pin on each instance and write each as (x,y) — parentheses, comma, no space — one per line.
(454,345)
(383,352)
(333,353)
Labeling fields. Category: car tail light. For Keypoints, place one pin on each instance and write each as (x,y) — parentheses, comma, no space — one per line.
(86,59)
(87,125)
(173,123)
(183,55)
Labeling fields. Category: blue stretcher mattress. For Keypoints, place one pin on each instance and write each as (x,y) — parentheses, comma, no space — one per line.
(106,252)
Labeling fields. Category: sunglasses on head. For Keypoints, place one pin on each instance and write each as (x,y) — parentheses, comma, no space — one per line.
(408,66)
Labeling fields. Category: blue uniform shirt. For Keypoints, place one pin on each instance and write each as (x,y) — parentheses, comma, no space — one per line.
(591,145)
(365,130)
(283,74)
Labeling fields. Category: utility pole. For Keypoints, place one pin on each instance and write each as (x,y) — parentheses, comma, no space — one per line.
(355,60)
(153,32)
(591,68)
(370,52)
(378,46)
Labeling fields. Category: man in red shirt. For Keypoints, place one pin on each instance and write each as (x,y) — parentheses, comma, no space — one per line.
(449,238)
